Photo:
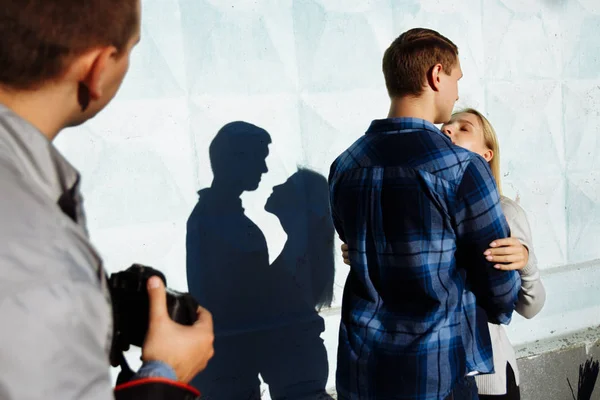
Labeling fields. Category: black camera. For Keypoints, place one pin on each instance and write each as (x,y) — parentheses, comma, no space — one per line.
(131,307)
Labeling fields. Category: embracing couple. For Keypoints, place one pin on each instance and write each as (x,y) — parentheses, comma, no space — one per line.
(439,258)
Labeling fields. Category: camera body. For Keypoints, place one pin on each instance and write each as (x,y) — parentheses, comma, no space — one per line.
(131,307)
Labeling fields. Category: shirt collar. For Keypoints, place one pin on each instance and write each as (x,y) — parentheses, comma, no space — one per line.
(209,196)
(35,155)
(403,125)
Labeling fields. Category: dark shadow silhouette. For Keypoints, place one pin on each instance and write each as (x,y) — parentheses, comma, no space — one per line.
(306,262)
(266,319)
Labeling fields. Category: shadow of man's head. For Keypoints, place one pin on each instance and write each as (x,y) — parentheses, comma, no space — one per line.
(238,156)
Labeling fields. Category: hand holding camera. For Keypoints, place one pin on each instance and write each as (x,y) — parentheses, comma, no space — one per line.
(169,326)
(185,348)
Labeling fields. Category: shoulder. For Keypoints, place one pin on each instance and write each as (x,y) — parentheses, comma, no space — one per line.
(473,161)
(447,160)
(37,241)
(351,157)
(474,176)
(24,209)
(512,210)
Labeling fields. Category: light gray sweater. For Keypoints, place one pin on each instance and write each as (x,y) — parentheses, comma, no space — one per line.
(531,300)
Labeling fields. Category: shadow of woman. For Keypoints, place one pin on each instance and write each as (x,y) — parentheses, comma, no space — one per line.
(303,276)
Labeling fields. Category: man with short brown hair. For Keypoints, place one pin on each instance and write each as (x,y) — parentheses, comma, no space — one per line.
(417,213)
(410,57)
(61,62)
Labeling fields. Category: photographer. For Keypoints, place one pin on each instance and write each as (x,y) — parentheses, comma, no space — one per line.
(61,62)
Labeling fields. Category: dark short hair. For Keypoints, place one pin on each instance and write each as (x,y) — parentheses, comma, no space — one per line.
(411,56)
(233,142)
(38,37)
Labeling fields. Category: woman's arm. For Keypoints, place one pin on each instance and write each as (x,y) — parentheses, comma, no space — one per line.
(517,253)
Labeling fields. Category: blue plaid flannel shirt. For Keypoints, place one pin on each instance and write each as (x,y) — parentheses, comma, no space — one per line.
(417,213)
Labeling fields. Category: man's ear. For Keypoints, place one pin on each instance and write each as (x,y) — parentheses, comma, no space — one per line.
(434,77)
(100,61)
(89,72)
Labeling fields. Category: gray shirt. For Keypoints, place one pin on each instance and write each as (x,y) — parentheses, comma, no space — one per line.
(55,315)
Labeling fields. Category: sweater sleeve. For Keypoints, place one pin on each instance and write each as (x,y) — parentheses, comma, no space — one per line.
(532,295)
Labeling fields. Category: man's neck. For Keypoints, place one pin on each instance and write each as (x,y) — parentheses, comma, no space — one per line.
(225,190)
(412,107)
(42,109)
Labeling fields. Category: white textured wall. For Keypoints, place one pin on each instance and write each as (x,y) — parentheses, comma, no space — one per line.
(308,71)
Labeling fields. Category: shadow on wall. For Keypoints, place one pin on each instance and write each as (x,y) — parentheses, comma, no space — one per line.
(266,319)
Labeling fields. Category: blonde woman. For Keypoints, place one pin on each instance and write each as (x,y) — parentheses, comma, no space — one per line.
(471,130)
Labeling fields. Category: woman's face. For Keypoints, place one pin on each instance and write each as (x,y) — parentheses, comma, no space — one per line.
(284,198)
(465,130)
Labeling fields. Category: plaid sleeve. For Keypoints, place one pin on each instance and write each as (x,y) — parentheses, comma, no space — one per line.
(332,188)
(479,221)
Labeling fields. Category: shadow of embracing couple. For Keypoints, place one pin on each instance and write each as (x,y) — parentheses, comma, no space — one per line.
(266,315)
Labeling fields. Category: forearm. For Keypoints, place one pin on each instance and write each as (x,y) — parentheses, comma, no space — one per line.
(497,291)
(532,295)
(505,297)
(479,221)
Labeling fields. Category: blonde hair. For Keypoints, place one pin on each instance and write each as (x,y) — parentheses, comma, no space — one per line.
(491,142)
